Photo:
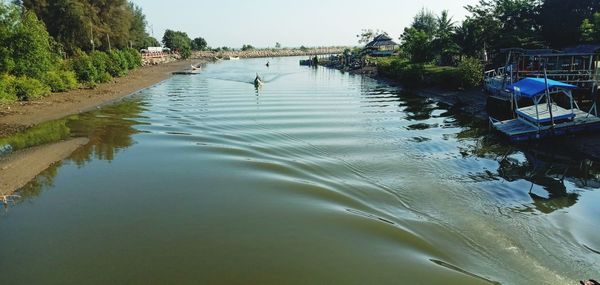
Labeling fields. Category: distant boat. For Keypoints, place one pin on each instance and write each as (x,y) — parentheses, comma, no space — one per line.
(258,81)
(234,58)
(195,68)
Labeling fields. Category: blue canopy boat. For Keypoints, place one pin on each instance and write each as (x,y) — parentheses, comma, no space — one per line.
(545,118)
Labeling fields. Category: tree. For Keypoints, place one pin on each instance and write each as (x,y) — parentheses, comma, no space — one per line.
(178,41)
(89,24)
(277,45)
(25,43)
(561,20)
(506,23)
(247,47)
(418,45)
(366,36)
(199,44)
(590,29)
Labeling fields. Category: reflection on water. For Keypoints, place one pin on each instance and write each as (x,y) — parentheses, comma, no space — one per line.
(318,177)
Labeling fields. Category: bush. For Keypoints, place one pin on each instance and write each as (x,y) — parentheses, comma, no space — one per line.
(84,68)
(471,72)
(27,89)
(7,90)
(117,65)
(413,75)
(101,61)
(61,81)
(133,57)
(442,76)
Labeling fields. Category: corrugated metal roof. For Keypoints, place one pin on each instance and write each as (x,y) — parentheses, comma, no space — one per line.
(381,40)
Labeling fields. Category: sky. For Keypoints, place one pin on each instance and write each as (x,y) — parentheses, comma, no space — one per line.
(292,23)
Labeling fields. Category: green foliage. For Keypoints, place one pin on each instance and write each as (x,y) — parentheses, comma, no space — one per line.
(75,23)
(60,81)
(199,44)
(117,65)
(179,42)
(7,89)
(561,20)
(25,43)
(247,47)
(471,72)
(84,68)
(133,57)
(413,75)
(27,89)
(101,61)
(590,29)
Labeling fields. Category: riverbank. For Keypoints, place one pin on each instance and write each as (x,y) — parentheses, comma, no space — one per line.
(18,168)
(18,116)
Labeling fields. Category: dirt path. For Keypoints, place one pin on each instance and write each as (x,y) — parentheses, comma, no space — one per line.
(20,115)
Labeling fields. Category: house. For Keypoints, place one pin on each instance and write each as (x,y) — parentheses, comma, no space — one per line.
(382,45)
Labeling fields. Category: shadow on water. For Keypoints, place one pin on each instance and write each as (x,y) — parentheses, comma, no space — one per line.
(109,131)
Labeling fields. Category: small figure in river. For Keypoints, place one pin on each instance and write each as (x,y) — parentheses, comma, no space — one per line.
(257,81)
(268,64)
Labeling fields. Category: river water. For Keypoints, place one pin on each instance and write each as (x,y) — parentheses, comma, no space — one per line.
(319,177)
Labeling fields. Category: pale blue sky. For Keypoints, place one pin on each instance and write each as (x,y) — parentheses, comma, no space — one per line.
(292,23)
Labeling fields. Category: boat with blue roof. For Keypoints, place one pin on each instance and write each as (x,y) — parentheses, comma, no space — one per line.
(545,117)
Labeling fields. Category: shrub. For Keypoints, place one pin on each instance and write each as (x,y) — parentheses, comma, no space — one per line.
(471,72)
(442,76)
(117,65)
(7,90)
(27,89)
(61,81)
(133,57)
(84,68)
(413,75)
(101,61)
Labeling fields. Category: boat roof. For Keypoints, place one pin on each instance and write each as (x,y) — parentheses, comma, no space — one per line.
(532,87)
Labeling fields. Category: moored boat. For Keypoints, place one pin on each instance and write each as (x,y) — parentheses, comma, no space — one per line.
(545,118)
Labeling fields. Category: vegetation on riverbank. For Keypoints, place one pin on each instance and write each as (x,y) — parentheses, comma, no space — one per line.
(35,62)
(435,50)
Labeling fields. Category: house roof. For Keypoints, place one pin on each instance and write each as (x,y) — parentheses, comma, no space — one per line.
(532,87)
(381,40)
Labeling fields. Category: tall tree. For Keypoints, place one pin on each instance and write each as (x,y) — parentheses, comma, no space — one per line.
(561,20)
(199,44)
(507,23)
(178,41)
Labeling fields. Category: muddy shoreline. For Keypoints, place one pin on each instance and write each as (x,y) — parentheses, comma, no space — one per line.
(20,167)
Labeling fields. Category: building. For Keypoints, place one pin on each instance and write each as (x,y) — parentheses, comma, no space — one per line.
(382,45)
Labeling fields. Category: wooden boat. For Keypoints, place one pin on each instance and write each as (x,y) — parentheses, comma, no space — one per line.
(545,118)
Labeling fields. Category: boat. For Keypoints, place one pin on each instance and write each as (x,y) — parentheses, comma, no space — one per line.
(545,117)
(195,68)
(234,58)
(258,81)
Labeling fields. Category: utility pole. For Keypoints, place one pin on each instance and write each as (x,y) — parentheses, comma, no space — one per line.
(108,38)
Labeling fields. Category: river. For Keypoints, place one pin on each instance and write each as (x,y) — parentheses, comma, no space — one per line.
(318,177)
